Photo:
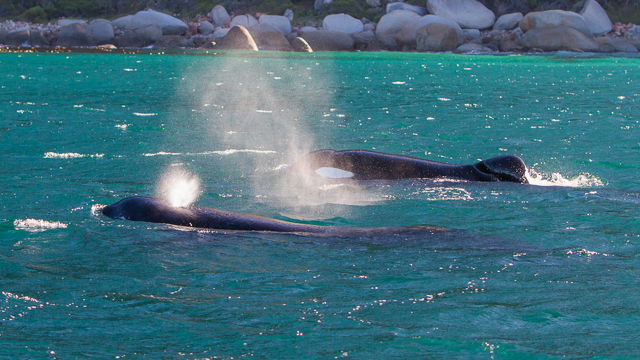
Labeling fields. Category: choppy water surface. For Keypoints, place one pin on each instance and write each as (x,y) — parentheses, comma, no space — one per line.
(529,271)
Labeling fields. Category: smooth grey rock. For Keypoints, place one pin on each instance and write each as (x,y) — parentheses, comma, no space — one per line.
(342,23)
(369,26)
(244,20)
(238,38)
(402,6)
(171,42)
(288,14)
(307,28)
(471,33)
(18,38)
(407,36)
(391,23)
(549,18)
(168,24)
(328,41)
(292,36)
(469,14)
(36,38)
(221,32)
(282,23)
(363,38)
(65,22)
(122,22)
(206,28)
(471,47)
(518,32)
(270,39)
(219,15)
(75,34)
(508,21)
(101,31)
(597,19)
(436,37)
(635,42)
(608,45)
(555,38)
(140,37)
(3,36)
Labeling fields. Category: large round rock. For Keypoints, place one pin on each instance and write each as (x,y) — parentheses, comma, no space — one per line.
(391,23)
(75,34)
(140,37)
(238,38)
(101,31)
(436,37)
(342,23)
(469,14)
(281,22)
(407,36)
(549,18)
(219,15)
(244,20)
(269,38)
(168,24)
(508,21)
(595,16)
(555,38)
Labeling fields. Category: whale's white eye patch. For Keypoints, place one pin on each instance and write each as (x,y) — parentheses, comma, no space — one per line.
(333,173)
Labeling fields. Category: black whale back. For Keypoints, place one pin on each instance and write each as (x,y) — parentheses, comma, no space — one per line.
(370,165)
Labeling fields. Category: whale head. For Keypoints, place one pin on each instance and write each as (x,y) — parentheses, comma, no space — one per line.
(140,208)
(509,168)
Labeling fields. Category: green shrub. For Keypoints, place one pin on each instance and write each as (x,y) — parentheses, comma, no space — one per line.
(35,14)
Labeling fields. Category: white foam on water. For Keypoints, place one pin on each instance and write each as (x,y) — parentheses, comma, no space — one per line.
(216,152)
(179,187)
(333,173)
(557,179)
(144,114)
(161,153)
(96,209)
(37,225)
(54,155)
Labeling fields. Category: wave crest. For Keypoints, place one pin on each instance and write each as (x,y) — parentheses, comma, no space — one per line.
(557,179)
(36,225)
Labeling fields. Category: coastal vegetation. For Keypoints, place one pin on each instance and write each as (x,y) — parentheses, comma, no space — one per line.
(41,11)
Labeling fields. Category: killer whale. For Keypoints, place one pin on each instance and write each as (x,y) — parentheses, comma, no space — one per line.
(147,209)
(371,165)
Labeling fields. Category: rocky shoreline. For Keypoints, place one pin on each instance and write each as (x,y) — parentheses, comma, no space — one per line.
(460,26)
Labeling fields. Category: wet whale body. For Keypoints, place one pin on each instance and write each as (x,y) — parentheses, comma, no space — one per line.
(370,165)
(154,210)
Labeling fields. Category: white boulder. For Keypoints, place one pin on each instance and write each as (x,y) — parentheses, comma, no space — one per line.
(342,23)
(596,18)
(402,6)
(244,20)
(168,24)
(391,23)
(541,19)
(508,21)
(219,15)
(469,14)
(282,23)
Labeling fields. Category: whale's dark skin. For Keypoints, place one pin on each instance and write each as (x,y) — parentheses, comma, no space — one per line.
(154,210)
(370,165)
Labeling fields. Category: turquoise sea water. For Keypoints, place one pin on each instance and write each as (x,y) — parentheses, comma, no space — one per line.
(546,270)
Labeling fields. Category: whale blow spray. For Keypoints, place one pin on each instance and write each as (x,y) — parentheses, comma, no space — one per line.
(179,187)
